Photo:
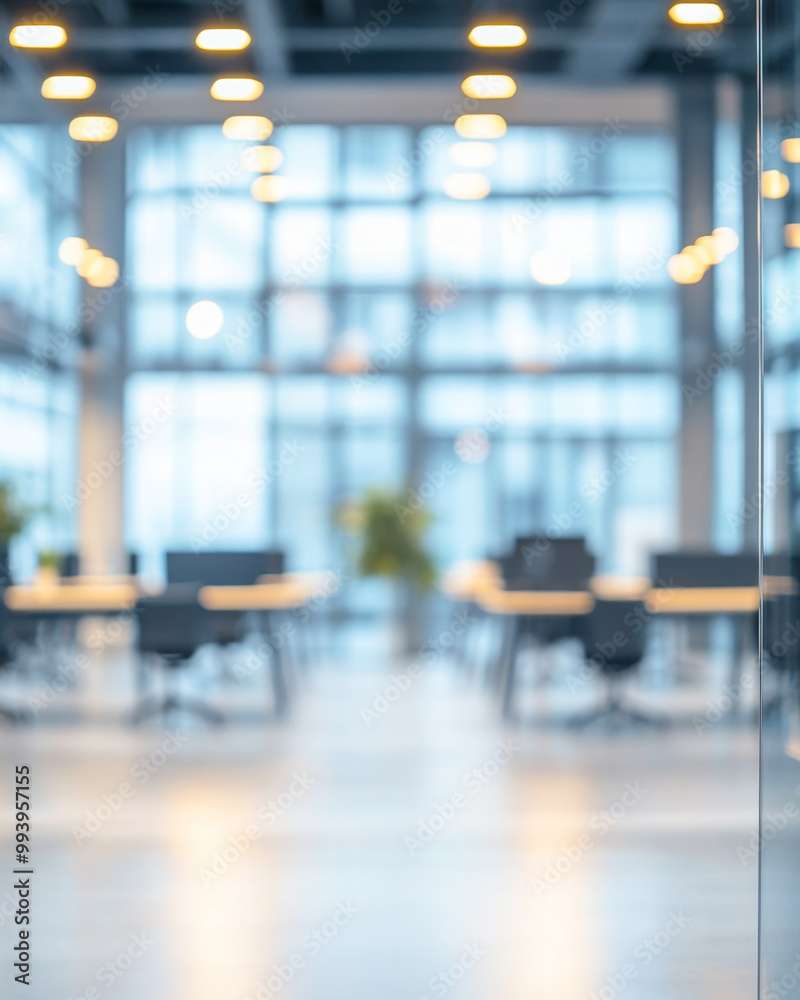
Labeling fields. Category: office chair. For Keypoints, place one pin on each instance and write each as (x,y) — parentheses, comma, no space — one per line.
(614,643)
(71,564)
(7,660)
(171,628)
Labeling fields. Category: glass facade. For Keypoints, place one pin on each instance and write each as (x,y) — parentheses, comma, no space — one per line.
(377,333)
(39,318)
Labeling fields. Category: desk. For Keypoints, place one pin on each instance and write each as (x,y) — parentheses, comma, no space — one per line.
(74,598)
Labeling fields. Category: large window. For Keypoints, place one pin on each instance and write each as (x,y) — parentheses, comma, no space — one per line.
(379,333)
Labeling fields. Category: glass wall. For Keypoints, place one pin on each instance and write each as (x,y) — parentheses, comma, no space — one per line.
(39,325)
(378,333)
(780,733)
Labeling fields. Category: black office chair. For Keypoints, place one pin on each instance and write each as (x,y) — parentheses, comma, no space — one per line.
(71,564)
(781,638)
(171,628)
(614,643)
(8,647)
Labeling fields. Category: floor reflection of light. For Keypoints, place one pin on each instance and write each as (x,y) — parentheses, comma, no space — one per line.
(215,907)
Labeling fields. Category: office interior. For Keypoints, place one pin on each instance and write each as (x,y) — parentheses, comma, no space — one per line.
(385,602)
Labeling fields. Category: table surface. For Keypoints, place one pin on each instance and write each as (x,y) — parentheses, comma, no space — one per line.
(84,595)
(480,582)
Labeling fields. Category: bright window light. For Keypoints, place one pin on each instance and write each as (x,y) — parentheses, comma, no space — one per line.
(204,319)
(696,14)
(474,155)
(497,36)
(222,39)
(37,36)
(237,88)
(93,128)
(68,87)
(481,126)
(252,128)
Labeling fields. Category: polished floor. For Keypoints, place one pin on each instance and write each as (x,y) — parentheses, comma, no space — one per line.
(390,839)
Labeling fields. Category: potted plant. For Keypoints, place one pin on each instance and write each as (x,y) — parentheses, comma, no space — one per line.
(391,529)
(13,518)
(49,563)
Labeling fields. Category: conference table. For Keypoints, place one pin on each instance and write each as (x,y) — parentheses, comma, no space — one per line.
(479,585)
(78,597)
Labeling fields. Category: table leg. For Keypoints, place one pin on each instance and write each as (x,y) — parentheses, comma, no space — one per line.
(507,666)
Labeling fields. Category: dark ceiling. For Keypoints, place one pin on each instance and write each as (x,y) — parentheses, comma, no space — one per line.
(578,40)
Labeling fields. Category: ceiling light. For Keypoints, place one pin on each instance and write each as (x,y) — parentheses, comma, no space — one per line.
(473,154)
(466,187)
(88,257)
(694,14)
(703,254)
(497,36)
(550,269)
(684,269)
(774,184)
(791,233)
(204,319)
(790,150)
(93,128)
(222,39)
(253,128)
(71,250)
(102,272)
(711,246)
(489,86)
(37,36)
(262,159)
(481,126)
(236,88)
(68,87)
(725,239)
(269,188)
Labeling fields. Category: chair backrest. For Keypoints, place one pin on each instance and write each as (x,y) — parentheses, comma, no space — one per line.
(223,567)
(704,568)
(71,564)
(540,562)
(616,634)
(172,624)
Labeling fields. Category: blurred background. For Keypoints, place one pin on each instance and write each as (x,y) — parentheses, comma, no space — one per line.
(379,494)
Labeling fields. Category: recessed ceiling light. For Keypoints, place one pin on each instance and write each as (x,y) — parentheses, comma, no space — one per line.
(497,35)
(550,268)
(222,39)
(696,14)
(481,126)
(726,239)
(262,159)
(68,87)
(93,128)
(71,250)
(473,154)
(489,86)
(102,272)
(790,150)
(269,188)
(685,269)
(237,88)
(466,186)
(37,36)
(252,128)
(774,184)
(204,319)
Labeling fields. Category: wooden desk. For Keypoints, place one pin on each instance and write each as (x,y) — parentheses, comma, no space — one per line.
(76,598)
(277,596)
